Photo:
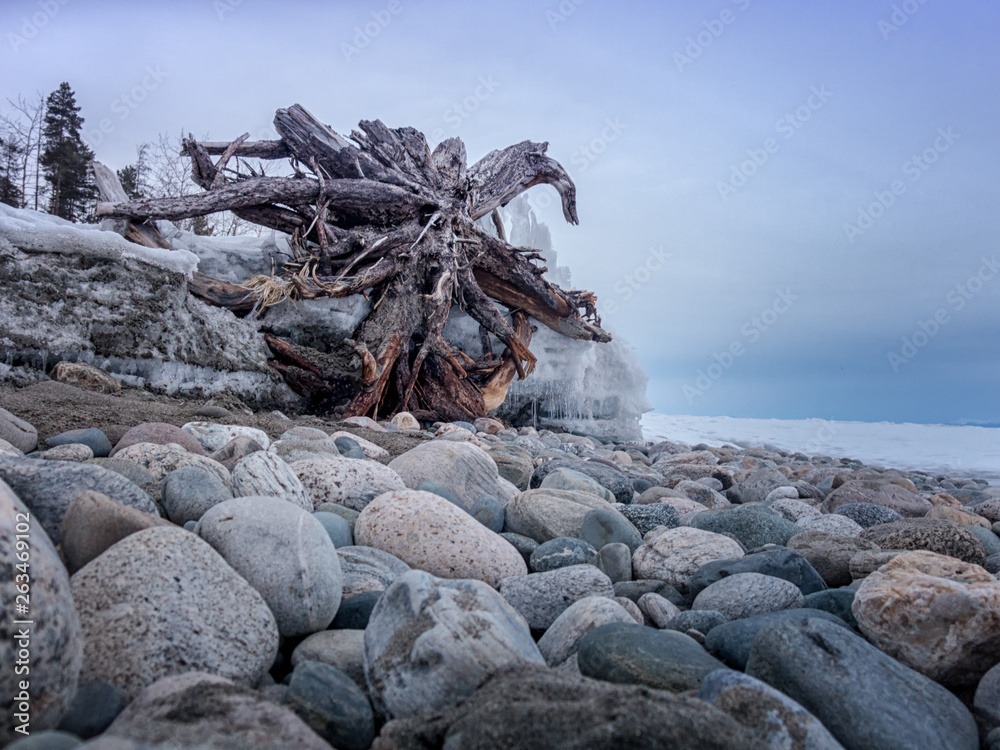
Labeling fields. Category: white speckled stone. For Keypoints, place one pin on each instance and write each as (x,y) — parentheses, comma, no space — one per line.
(264,474)
(429,533)
(161,602)
(213,436)
(675,554)
(747,594)
(160,460)
(351,482)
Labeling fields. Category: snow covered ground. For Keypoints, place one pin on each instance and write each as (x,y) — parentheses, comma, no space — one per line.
(946,449)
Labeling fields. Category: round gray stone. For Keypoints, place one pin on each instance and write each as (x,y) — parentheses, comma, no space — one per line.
(601,527)
(92,437)
(541,597)
(284,553)
(558,553)
(332,705)
(189,492)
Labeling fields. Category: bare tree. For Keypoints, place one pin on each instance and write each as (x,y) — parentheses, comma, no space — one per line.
(23,125)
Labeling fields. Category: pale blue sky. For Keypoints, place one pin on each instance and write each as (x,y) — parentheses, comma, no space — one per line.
(651,106)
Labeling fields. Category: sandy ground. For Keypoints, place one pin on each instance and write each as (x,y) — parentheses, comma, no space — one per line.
(56,407)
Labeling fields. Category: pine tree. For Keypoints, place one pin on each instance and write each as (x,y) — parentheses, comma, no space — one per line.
(10,152)
(66,157)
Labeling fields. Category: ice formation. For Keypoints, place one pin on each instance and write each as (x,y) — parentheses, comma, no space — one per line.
(128,316)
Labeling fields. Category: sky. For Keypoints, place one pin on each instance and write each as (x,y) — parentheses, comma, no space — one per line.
(788,208)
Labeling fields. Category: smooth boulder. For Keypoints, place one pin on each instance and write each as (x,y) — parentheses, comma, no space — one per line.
(865,698)
(161,602)
(429,533)
(284,553)
(431,642)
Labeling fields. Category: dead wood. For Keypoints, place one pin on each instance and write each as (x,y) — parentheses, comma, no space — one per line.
(379,213)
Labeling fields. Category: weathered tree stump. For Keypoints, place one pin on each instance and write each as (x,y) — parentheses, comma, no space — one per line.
(380,214)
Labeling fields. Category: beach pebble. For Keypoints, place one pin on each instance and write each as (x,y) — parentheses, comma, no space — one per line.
(489,512)
(343,649)
(782,722)
(635,655)
(93,438)
(17,432)
(161,602)
(160,433)
(368,569)
(431,534)
(284,553)
(49,487)
(892,496)
(702,620)
(304,433)
(645,518)
(936,614)
(560,552)
(94,522)
(370,449)
(943,537)
(264,474)
(542,597)
(160,460)
(674,555)
(466,470)
(291,451)
(237,448)
(213,436)
(862,696)
(562,638)
(189,492)
(76,452)
(201,710)
(88,377)
(355,611)
(566,478)
(513,464)
(54,638)
(405,421)
(332,705)
(608,476)
(337,528)
(779,562)
(545,708)
(867,515)
(747,594)
(615,561)
(987,697)
(753,525)
(657,609)
(830,554)
(732,640)
(756,487)
(545,514)
(606,526)
(96,705)
(348,447)
(703,494)
(433,641)
(831,523)
(346,481)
